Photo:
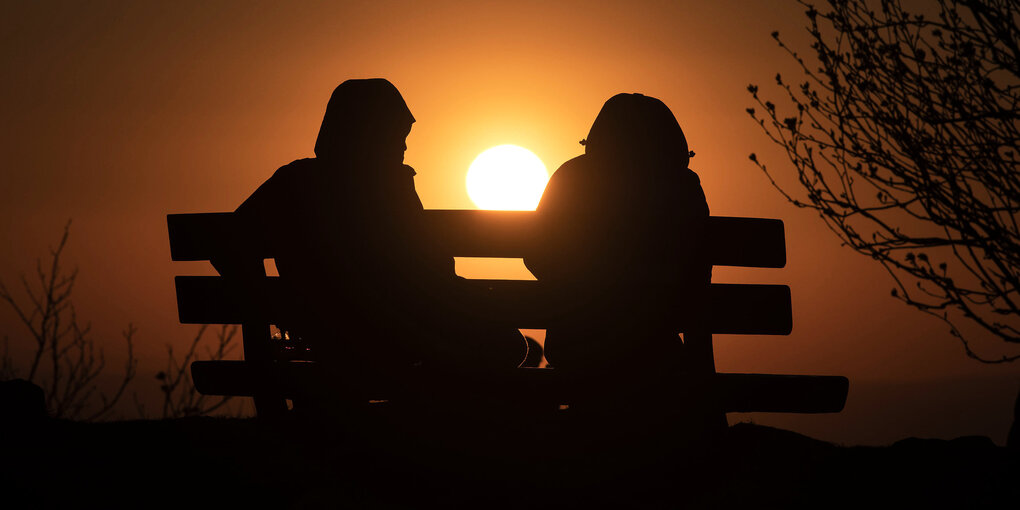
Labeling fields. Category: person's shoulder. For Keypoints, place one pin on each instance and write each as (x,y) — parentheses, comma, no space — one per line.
(297,173)
(301,163)
(574,163)
(285,182)
(566,184)
(571,167)
(296,169)
(690,176)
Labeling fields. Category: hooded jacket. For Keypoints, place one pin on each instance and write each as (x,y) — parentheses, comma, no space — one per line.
(620,229)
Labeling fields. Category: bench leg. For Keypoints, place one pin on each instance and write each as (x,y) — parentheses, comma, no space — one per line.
(700,359)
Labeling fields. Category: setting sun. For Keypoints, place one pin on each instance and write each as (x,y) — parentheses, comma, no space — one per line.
(507,177)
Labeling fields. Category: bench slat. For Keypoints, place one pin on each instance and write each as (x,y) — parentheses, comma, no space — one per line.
(746,242)
(203,236)
(730,308)
(734,392)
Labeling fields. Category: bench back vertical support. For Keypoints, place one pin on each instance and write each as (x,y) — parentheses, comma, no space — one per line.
(256,336)
(699,352)
(257,341)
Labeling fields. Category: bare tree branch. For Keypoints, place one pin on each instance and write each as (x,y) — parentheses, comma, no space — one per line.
(65,359)
(180,399)
(905,139)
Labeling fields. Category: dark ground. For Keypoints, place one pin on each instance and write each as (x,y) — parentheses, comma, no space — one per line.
(389,460)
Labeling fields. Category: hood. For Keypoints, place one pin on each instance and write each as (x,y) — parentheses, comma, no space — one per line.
(360,115)
(635,127)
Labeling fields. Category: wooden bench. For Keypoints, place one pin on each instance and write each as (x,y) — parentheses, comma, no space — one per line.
(270,375)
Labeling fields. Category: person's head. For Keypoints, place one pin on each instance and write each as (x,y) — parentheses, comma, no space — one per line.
(365,121)
(637,128)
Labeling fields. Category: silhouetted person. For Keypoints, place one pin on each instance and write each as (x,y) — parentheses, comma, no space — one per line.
(621,228)
(367,288)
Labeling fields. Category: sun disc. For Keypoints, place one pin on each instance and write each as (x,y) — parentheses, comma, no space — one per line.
(507,177)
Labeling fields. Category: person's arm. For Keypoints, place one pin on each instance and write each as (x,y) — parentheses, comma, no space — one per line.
(576,225)
(556,212)
(257,215)
(701,267)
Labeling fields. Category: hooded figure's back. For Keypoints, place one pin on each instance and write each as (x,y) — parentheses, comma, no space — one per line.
(621,229)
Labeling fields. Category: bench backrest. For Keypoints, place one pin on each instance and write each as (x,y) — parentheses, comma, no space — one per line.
(728,308)
(743,242)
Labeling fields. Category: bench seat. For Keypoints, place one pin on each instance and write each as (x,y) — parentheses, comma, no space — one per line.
(733,392)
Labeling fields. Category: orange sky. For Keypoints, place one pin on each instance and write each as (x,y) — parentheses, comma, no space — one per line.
(116,114)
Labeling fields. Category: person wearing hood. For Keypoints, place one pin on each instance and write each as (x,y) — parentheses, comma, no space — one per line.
(620,233)
(365,285)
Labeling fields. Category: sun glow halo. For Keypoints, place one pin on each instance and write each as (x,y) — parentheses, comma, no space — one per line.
(507,177)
